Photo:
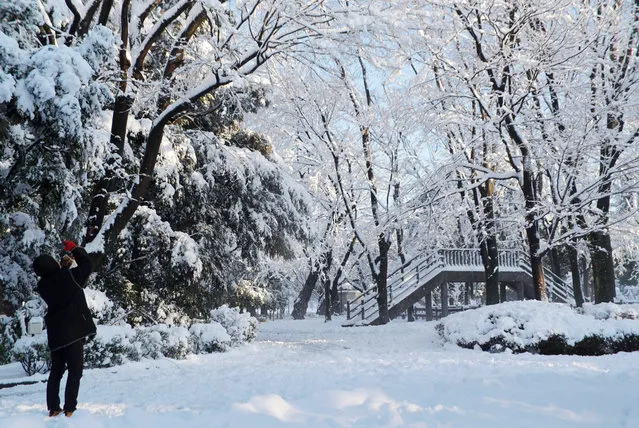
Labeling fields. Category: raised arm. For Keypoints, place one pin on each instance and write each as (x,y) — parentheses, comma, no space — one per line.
(85,266)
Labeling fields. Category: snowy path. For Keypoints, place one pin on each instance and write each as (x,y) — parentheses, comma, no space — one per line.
(315,374)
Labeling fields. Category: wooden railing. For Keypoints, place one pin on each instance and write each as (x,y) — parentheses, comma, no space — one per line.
(419,270)
(412,272)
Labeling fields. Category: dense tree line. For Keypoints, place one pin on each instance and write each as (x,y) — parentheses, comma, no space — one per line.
(384,130)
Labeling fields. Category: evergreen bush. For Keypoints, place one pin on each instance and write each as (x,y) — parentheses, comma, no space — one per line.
(32,352)
(544,328)
(6,340)
(208,338)
(241,327)
(110,347)
(174,340)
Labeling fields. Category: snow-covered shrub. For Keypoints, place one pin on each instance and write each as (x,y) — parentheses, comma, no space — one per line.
(32,352)
(13,328)
(117,344)
(174,340)
(538,327)
(5,341)
(208,338)
(111,346)
(241,327)
(627,294)
(7,338)
(148,343)
(604,311)
(251,295)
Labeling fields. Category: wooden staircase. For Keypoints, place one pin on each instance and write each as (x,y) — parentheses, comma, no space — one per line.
(420,276)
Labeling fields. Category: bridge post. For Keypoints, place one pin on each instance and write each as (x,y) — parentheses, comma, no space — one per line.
(348,310)
(502,292)
(520,290)
(444,298)
(428,303)
(410,313)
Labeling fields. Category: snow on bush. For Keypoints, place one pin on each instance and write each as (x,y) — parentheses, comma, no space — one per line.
(32,352)
(6,339)
(185,252)
(117,344)
(542,327)
(111,346)
(208,338)
(174,340)
(605,311)
(628,294)
(242,327)
(148,343)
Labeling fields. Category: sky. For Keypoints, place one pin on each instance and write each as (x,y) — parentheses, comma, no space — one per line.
(313,373)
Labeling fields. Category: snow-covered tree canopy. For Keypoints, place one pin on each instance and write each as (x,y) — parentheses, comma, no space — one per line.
(401,126)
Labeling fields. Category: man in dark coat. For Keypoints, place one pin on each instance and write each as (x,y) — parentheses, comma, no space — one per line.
(68,322)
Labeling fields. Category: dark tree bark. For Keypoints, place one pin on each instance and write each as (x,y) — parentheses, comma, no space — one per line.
(382,291)
(536,264)
(337,309)
(121,109)
(328,301)
(468,291)
(576,277)
(488,244)
(603,269)
(555,262)
(110,182)
(301,304)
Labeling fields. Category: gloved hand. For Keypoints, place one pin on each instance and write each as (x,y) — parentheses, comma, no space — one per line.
(66,261)
(68,245)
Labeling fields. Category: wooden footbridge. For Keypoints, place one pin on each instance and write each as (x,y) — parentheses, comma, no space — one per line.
(418,278)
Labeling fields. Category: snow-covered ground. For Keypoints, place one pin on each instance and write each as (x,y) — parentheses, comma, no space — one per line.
(315,374)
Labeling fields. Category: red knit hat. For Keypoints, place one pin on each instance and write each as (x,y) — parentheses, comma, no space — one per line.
(68,245)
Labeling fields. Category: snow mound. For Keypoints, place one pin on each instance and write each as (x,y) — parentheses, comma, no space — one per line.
(522,326)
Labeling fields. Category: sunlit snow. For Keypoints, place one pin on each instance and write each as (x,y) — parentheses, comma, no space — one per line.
(315,374)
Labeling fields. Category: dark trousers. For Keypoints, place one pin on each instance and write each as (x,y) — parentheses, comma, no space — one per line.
(71,358)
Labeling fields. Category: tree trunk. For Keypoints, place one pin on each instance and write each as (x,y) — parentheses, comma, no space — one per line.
(301,304)
(444,299)
(488,245)
(532,233)
(410,313)
(328,300)
(603,269)
(336,307)
(428,302)
(536,265)
(468,290)
(576,278)
(382,292)
(147,166)
(490,258)
(555,262)
(110,182)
